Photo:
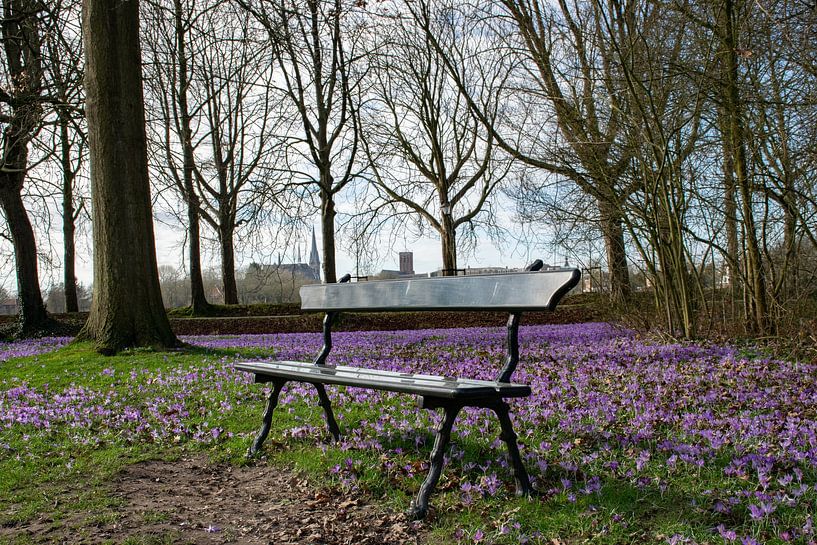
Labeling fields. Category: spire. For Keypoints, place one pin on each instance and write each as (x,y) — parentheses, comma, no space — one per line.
(314,256)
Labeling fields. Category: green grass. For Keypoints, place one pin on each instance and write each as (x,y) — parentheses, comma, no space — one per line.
(39,472)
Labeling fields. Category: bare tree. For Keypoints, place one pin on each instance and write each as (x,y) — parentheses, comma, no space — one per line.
(781,115)
(428,152)
(214,87)
(759,93)
(564,112)
(169,30)
(242,116)
(55,299)
(21,112)
(666,118)
(65,142)
(726,29)
(317,49)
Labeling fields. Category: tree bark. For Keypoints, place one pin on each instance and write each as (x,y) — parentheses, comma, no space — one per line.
(68,221)
(127,307)
(757,312)
(448,237)
(198,298)
(328,237)
(613,234)
(21,44)
(792,260)
(225,236)
(730,207)
(32,315)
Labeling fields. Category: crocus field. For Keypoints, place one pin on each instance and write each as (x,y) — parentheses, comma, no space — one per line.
(628,440)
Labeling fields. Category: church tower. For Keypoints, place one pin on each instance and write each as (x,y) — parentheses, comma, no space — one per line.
(314,256)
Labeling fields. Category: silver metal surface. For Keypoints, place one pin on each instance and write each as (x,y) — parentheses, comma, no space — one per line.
(513,292)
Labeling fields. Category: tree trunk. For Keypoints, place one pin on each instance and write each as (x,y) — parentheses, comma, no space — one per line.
(757,311)
(448,237)
(675,279)
(32,315)
(613,233)
(328,234)
(786,285)
(69,265)
(792,271)
(730,207)
(730,212)
(22,111)
(198,299)
(127,307)
(225,236)
(68,221)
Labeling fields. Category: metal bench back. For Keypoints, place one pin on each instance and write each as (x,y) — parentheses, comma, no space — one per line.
(513,292)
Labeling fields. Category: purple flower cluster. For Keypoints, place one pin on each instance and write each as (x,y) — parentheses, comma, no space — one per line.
(607,409)
(31,347)
(136,406)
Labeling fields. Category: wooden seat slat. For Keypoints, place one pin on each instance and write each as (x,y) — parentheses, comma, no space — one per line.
(424,385)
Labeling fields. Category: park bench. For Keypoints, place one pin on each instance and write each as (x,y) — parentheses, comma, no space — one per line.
(532,290)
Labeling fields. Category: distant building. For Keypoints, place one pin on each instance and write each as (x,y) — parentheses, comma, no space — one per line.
(291,269)
(387,274)
(314,257)
(469,271)
(595,280)
(311,272)
(725,276)
(406,268)
(8,306)
(407,263)
(473,271)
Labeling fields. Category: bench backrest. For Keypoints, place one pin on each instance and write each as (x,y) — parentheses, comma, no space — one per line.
(512,292)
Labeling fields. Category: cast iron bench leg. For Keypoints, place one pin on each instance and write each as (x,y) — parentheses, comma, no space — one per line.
(419,506)
(523,487)
(272,402)
(334,430)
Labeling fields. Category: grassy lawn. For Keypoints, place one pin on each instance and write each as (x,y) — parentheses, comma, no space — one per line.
(627,441)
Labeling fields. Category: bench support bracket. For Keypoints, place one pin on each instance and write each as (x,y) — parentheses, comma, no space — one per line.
(331,423)
(523,487)
(272,402)
(419,505)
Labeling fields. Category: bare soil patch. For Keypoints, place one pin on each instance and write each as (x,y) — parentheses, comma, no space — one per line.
(193,501)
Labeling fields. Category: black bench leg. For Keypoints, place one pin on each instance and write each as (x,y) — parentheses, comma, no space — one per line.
(523,487)
(272,402)
(334,430)
(419,506)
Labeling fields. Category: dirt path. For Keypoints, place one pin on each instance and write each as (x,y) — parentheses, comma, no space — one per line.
(191,501)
